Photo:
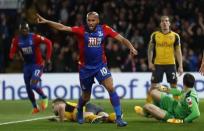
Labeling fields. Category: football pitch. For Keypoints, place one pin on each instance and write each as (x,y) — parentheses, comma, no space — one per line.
(16,116)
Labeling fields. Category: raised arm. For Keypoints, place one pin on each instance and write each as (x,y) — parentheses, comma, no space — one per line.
(55,25)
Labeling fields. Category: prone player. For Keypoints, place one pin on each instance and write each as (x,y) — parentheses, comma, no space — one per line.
(92,113)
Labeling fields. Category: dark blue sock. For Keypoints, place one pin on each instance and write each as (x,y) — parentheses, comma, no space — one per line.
(81,103)
(30,93)
(115,101)
(34,104)
(40,92)
(31,96)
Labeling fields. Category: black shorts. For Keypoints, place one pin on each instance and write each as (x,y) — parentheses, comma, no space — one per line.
(93,108)
(158,73)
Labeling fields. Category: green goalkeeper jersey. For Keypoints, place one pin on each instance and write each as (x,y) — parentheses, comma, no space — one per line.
(187,106)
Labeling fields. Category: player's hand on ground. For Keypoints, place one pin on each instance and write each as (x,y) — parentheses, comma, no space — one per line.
(175,121)
(40,19)
(180,71)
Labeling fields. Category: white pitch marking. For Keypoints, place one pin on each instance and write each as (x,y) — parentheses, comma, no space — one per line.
(20,121)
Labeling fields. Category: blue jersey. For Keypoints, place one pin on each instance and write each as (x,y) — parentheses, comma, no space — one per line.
(29,46)
(26,47)
(91,45)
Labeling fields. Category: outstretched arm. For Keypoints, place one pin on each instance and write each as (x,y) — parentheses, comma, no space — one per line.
(127,43)
(55,25)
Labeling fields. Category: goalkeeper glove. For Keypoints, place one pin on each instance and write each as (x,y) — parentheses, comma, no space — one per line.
(175,121)
(163,88)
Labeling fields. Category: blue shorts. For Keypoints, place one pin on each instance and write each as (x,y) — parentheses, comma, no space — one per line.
(87,77)
(32,72)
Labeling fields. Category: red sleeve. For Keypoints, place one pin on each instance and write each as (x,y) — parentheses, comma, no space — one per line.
(79,30)
(109,31)
(14,47)
(40,39)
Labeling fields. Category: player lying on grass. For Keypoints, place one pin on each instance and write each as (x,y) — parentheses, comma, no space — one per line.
(92,113)
(165,108)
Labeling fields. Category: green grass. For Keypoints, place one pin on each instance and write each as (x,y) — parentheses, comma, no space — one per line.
(21,110)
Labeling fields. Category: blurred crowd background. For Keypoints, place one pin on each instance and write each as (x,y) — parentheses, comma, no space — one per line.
(134,19)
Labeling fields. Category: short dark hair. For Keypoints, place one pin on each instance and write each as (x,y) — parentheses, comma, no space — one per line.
(59,100)
(24,25)
(92,13)
(189,80)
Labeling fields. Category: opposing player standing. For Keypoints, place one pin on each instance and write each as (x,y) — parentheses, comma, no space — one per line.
(92,61)
(29,46)
(161,59)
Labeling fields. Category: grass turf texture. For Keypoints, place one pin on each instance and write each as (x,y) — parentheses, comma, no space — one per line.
(21,110)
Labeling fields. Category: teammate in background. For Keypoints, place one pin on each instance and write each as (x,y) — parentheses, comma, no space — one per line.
(28,44)
(92,113)
(92,59)
(162,46)
(166,108)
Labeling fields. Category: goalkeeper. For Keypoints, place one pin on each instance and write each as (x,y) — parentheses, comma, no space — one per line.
(165,108)
(92,113)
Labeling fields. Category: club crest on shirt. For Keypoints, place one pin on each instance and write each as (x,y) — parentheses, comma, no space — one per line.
(100,34)
(189,101)
(171,37)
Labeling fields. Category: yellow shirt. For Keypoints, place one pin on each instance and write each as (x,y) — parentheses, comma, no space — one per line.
(71,111)
(164,46)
